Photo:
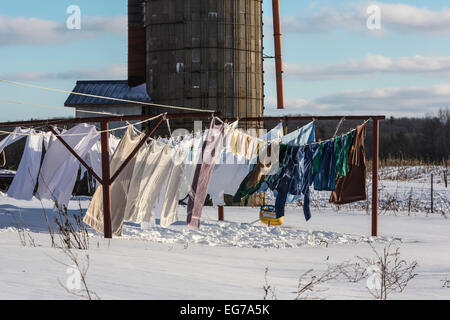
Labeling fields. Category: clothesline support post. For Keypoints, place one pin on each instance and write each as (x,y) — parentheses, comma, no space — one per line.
(106,181)
(221,210)
(375,168)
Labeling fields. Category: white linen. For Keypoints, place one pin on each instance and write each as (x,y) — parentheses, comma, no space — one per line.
(60,168)
(22,187)
(119,188)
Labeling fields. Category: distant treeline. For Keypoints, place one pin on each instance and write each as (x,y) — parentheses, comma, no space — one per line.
(426,139)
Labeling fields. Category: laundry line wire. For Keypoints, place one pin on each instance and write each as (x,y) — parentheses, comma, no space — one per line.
(56,107)
(142,122)
(103,97)
(82,134)
(334,138)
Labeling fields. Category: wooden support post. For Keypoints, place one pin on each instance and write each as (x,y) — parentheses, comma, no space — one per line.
(375,167)
(445,178)
(106,181)
(432,193)
(221,210)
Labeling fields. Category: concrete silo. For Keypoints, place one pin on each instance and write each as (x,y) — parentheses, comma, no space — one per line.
(205,54)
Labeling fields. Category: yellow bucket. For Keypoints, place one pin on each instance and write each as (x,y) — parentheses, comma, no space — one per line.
(268,216)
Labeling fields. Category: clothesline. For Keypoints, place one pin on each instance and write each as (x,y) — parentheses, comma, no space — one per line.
(341,135)
(103,97)
(83,134)
(314,120)
(55,107)
(153,178)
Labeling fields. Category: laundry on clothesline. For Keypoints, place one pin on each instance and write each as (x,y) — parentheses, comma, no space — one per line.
(119,188)
(222,160)
(268,163)
(210,152)
(59,169)
(25,179)
(232,169)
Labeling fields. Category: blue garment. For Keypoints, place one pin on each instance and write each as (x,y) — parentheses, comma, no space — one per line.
(304,135)
(325,177)
(295,178)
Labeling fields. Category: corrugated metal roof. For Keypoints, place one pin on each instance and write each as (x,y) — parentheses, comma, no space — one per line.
(107,88)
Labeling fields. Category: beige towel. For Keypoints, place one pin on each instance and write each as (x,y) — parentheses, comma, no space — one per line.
(119,188)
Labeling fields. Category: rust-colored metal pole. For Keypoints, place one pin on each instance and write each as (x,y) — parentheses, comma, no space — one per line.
(375,167)
(221,213)
(106,181)
(278,53)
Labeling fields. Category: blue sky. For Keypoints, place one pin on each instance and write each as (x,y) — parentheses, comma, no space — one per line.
(333,63)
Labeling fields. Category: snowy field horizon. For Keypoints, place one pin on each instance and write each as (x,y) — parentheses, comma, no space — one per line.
(237,258)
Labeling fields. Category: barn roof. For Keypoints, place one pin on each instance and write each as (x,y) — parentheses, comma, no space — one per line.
(107,88)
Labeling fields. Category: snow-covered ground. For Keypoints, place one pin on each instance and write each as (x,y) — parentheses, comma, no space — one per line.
(227,260)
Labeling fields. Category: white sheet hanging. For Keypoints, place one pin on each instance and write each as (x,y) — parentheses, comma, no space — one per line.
(94,156)
(193,158)
(169,194)
(49,138)
(25,180)
(227,177)
(228,174)
(155,177)
(14,136)
(60,168)
(146,161)
(119,188)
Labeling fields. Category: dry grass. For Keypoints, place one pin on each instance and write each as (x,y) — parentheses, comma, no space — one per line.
(397,162)
(79,269)
(268,289)
(24,234)
(73,234)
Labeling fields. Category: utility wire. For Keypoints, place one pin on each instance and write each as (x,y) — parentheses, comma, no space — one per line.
(102,97)
(55,107)
(81,134)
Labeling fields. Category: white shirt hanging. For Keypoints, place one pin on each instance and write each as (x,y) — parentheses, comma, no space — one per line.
(60,168)
(25,180)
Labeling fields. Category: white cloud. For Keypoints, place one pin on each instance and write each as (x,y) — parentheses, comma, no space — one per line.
(369,66)
(34,31)
(395,17)
(410,101)
(111,72)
